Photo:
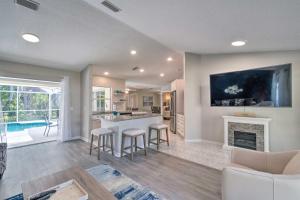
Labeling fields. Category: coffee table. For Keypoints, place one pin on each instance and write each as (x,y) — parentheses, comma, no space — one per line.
(94,189)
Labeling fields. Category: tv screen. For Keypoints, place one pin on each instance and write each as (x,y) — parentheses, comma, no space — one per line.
(267,87)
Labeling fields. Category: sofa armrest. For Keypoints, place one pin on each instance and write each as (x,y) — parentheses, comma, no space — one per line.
(246,184)
(287,187)
(253,159)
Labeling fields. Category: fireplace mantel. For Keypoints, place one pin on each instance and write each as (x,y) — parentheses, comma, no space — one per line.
(247,120)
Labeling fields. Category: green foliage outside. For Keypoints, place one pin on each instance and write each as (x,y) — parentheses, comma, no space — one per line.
(31,105)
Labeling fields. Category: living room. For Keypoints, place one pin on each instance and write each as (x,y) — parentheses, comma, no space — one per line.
(157,99)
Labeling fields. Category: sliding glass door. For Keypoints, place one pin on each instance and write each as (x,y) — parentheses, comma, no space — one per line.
(23,103)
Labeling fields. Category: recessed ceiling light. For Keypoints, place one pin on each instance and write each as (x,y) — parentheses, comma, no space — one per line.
(169,59)
(238,43)
(30,37)
(106,73)
(142,70)
(162,75)
(133,52)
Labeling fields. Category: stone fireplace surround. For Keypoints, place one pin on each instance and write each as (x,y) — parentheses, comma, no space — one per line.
(256,125)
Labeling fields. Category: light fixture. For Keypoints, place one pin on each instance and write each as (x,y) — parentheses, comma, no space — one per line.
(162,75)
(133,52)
(29,37)
(142,70)
(106,73)
(238,43)
(169,59)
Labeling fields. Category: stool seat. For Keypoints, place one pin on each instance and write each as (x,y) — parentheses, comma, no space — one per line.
(133,132)
(158,126)
(101,131)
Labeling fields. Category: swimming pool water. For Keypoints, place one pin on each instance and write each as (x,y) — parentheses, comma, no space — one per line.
(13,127)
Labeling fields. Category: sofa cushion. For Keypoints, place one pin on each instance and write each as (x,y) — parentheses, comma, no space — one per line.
(293,166)
(239,166)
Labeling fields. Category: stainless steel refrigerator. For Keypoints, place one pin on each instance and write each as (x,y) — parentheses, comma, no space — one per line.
(173,112)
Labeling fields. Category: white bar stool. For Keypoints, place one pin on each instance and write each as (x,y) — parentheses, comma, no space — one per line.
(158,128)
(102,134)
(133,134)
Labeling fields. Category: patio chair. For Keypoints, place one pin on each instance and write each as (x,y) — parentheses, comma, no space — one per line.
(49,125)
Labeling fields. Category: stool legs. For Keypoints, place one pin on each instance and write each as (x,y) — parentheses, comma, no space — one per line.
(131,148)
(149,137)
(133,143)
(112,144)
(99,146)
(91,147)
(167,136)
(145,148)
(103,142)
(158,138)
(122,145)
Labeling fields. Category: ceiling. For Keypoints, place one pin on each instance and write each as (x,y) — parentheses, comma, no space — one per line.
(209,26)
(74,34)
(77,33)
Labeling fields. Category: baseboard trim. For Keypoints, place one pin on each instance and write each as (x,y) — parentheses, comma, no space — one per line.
(213,142)
(84,139)
(192,141)
(73,138)
(206,141)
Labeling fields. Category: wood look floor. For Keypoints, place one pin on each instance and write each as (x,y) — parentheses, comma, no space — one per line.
(169,176)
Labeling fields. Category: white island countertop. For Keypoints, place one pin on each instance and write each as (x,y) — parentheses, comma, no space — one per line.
(118,118)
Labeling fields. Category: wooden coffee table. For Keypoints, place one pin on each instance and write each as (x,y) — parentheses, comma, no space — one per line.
(94,189)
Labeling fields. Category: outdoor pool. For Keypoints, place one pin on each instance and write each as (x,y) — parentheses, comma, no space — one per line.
(13,127)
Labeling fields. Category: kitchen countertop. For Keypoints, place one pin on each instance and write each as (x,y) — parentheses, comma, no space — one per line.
(115,118)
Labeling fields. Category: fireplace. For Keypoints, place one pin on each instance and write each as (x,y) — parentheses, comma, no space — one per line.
(246,132)
(245,140)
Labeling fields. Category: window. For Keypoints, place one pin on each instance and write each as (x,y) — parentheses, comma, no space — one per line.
(147,101)
(22,103)
(101,99)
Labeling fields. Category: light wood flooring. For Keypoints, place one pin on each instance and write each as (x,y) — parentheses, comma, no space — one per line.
(169,176)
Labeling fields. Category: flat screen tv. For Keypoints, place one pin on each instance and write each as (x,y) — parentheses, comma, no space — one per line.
(265,87)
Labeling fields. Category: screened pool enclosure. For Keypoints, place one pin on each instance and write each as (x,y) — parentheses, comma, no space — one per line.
(26,111)
(22,103)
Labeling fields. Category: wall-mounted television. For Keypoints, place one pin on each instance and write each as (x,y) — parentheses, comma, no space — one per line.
(265,87)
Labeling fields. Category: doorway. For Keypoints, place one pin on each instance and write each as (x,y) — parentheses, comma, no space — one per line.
(29,111)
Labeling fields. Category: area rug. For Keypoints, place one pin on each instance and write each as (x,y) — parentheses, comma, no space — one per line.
(17,197)
(120,185)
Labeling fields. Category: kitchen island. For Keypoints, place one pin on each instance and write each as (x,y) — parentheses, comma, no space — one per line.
(122,122)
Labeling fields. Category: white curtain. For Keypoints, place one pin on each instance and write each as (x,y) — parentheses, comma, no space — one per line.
(64,117)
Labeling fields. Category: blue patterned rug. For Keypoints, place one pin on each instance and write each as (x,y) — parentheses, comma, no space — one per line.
(17,197)
(120,185)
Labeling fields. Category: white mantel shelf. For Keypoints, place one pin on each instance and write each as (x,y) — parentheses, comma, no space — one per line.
(247,120)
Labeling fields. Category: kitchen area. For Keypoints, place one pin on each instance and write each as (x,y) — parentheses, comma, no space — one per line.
(111,103)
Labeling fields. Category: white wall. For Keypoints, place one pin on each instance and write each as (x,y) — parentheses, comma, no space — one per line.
(205,122)
(18,70)
(86,108)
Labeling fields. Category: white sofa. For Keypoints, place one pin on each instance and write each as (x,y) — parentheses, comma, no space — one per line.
(257,175)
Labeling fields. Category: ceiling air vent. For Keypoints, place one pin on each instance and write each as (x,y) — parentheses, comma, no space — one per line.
(28,4)
(111,6)
(135,68)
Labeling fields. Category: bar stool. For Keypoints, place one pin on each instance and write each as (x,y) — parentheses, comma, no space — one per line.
(158,128)
(102,134)
(132,134)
